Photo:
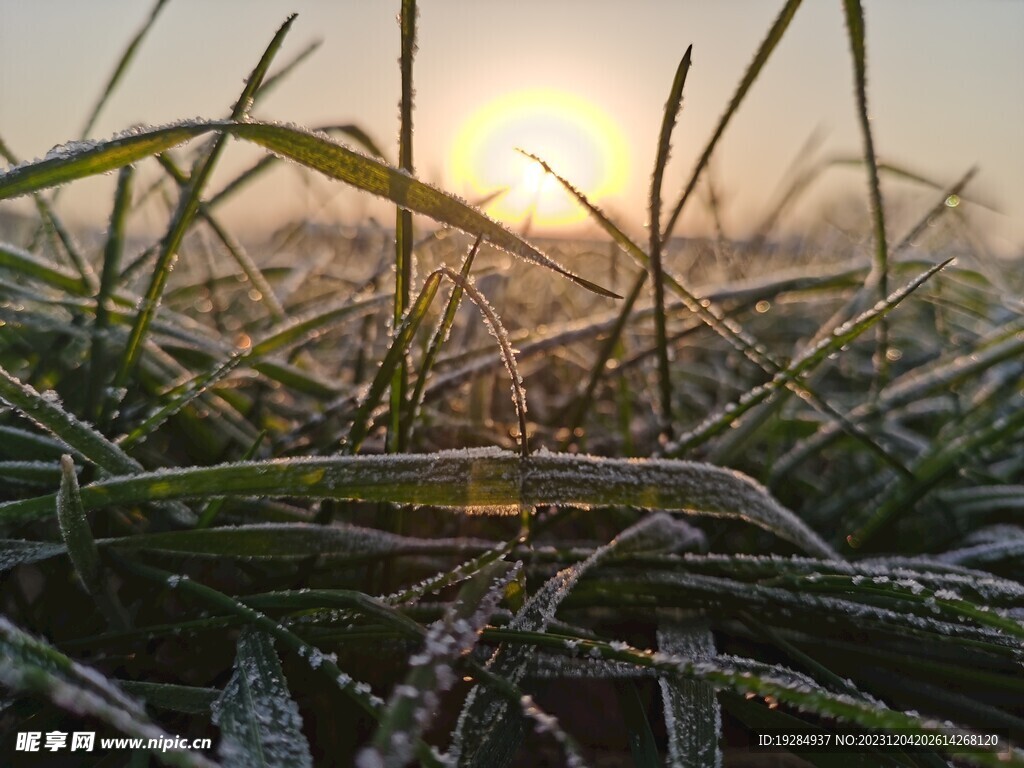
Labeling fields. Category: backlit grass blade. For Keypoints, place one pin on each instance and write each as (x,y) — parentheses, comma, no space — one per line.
(79,159)
(260,724)
(668,122)
(48,413)
(414,703)
(188,205)
(32,666)
(880,270)
(344,164)
(81,547)
(806,362)
(775,33)
(403,226)
(76,161)
(354,132)
(480,479)
(122,66)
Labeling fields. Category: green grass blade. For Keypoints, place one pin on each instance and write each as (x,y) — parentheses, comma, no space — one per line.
(32,666)
(439,338)
(65,426)
(642,745)
(259,722)
(672,107)
(806,362)
(188,207)
(775,33)
(15,552)
(693,718)
(212,509)
(880,268)
(77,160)
(354,132)
(477,479)
(404,235)
(233,247)
(292,541)
(37,269)
(97,399)
(81,547)
(394,357)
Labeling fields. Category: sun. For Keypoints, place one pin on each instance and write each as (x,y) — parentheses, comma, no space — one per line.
(577,139)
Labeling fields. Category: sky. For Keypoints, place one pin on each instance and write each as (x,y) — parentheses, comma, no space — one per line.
(582,84)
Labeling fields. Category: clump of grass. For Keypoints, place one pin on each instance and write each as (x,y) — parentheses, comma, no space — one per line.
(231,524)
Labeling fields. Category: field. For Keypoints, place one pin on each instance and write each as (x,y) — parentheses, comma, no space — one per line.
(278,495)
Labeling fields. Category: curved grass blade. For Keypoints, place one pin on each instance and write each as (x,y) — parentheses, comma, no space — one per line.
(775,33)
(668,122)
(81,547)
(354,132)
(477,479)
(749,677)
(35,268)
(30,665)
(371,175)
(260,724)
(75,161)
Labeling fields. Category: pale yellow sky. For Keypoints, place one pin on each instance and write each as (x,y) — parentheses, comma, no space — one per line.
(946,79)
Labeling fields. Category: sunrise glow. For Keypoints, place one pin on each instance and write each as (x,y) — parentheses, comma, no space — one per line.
(577,139)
